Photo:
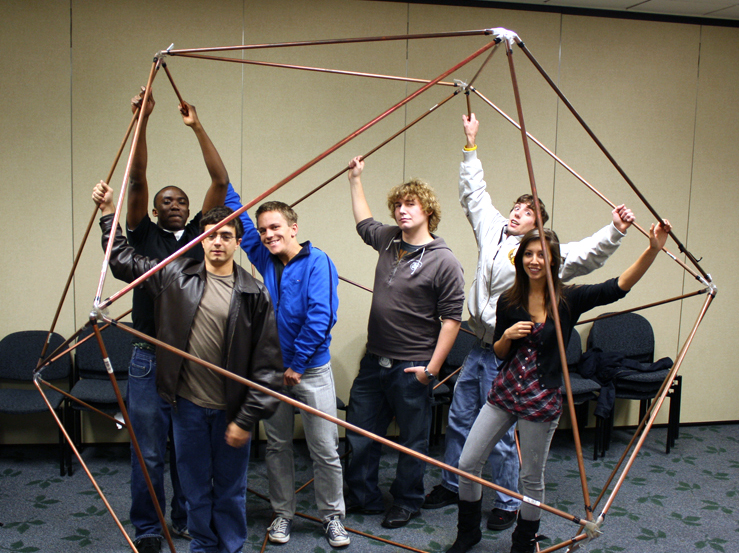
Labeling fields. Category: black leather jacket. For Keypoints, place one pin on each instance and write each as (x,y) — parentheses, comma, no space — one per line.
(252,348)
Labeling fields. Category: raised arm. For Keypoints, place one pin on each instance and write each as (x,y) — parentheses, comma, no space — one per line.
(216,193)
(657,239)
(471,126)
(591,253)
(125,264)
(360,207)
(138,187)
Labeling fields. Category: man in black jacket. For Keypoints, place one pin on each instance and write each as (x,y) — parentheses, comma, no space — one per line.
(219,313)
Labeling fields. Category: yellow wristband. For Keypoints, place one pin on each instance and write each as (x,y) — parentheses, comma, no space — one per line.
(466,149)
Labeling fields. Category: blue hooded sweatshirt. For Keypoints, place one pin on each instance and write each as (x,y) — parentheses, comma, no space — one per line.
(305,300)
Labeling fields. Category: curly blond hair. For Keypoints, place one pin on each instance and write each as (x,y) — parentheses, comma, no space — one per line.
(416,188)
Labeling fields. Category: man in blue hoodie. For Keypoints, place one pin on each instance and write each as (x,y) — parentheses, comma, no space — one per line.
(302,281)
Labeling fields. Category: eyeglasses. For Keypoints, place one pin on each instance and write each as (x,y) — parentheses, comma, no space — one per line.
(224,236)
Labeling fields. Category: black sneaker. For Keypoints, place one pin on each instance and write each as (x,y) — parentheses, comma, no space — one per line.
(148,545)
(501,520)
(440,497)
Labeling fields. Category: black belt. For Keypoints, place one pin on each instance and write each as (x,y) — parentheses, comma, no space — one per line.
(145,345)
(392,361)
(485,345)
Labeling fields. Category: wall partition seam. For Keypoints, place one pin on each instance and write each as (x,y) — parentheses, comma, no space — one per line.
(692,174)
(556,119)
(71,161)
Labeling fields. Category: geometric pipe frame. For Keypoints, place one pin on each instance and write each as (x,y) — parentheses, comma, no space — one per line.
(653,410)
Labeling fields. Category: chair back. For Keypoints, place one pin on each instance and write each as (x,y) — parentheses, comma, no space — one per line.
(574,350)
(627,333)
(89,360)
(20,352)
(462,346)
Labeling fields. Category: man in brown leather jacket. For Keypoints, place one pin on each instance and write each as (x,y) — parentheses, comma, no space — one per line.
(217,312)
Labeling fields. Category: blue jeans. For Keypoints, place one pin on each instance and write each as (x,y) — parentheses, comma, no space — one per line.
(151,419)
(378,394)
(213,476)
(316,389)
(470,394)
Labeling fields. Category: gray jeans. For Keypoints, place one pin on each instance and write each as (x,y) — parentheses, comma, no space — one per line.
(490,426)
(316,389)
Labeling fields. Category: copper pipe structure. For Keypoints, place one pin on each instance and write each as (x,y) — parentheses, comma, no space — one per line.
(84,238)
(646,422)
(582,180)
(315,69)
(77,454)
(134,440)
(642,307)
(659,400)
(383,143)
(550,284)
(608,155)
(311,163)
(478,32)
(346,425)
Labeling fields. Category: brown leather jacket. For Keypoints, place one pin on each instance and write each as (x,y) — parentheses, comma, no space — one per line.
(252,348)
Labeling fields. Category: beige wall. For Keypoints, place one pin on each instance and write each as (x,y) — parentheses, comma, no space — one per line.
(661,96)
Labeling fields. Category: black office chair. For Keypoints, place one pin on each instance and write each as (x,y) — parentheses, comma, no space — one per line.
(584,390)
(19,355)
(91,381)
(632,335)
(443,394)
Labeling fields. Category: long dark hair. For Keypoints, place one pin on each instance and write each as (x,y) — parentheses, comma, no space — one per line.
(518,294)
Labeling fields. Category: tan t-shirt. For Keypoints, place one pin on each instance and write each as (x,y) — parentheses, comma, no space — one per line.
(199,384)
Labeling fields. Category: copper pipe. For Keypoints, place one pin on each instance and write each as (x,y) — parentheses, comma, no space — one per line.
(317,69)
(355,284)
(608,155)
(346,425)
(84,404)
(373,150)
(633,309)
(57,353)
(132,434)
(183,106)
(658,402)
(550,284)
(581,179)
(70,442)
(330,41)
(284,181)
(447,377)
(484,63)
(84,238)
(124,186)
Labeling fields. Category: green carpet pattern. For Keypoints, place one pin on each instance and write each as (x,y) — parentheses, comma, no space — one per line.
(684,501)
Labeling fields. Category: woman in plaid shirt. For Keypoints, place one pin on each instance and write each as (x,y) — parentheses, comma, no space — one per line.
(527,389)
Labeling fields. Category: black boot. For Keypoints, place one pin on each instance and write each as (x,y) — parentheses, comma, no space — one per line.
(468,526)
(524,536)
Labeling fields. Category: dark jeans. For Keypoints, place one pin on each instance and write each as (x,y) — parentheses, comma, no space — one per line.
(213,479)
(151,419)
(378,394)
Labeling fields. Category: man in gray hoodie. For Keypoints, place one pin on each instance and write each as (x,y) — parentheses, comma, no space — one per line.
(418,281)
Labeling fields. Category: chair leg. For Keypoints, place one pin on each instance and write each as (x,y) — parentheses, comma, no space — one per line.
(62,441)
(673,424)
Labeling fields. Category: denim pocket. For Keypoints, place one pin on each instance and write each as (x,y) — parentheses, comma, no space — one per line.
(141,364)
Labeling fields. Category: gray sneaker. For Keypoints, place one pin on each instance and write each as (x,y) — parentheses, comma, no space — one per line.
(336,534)
(279,530)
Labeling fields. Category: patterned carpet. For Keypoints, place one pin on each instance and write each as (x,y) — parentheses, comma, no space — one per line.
(684,501)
